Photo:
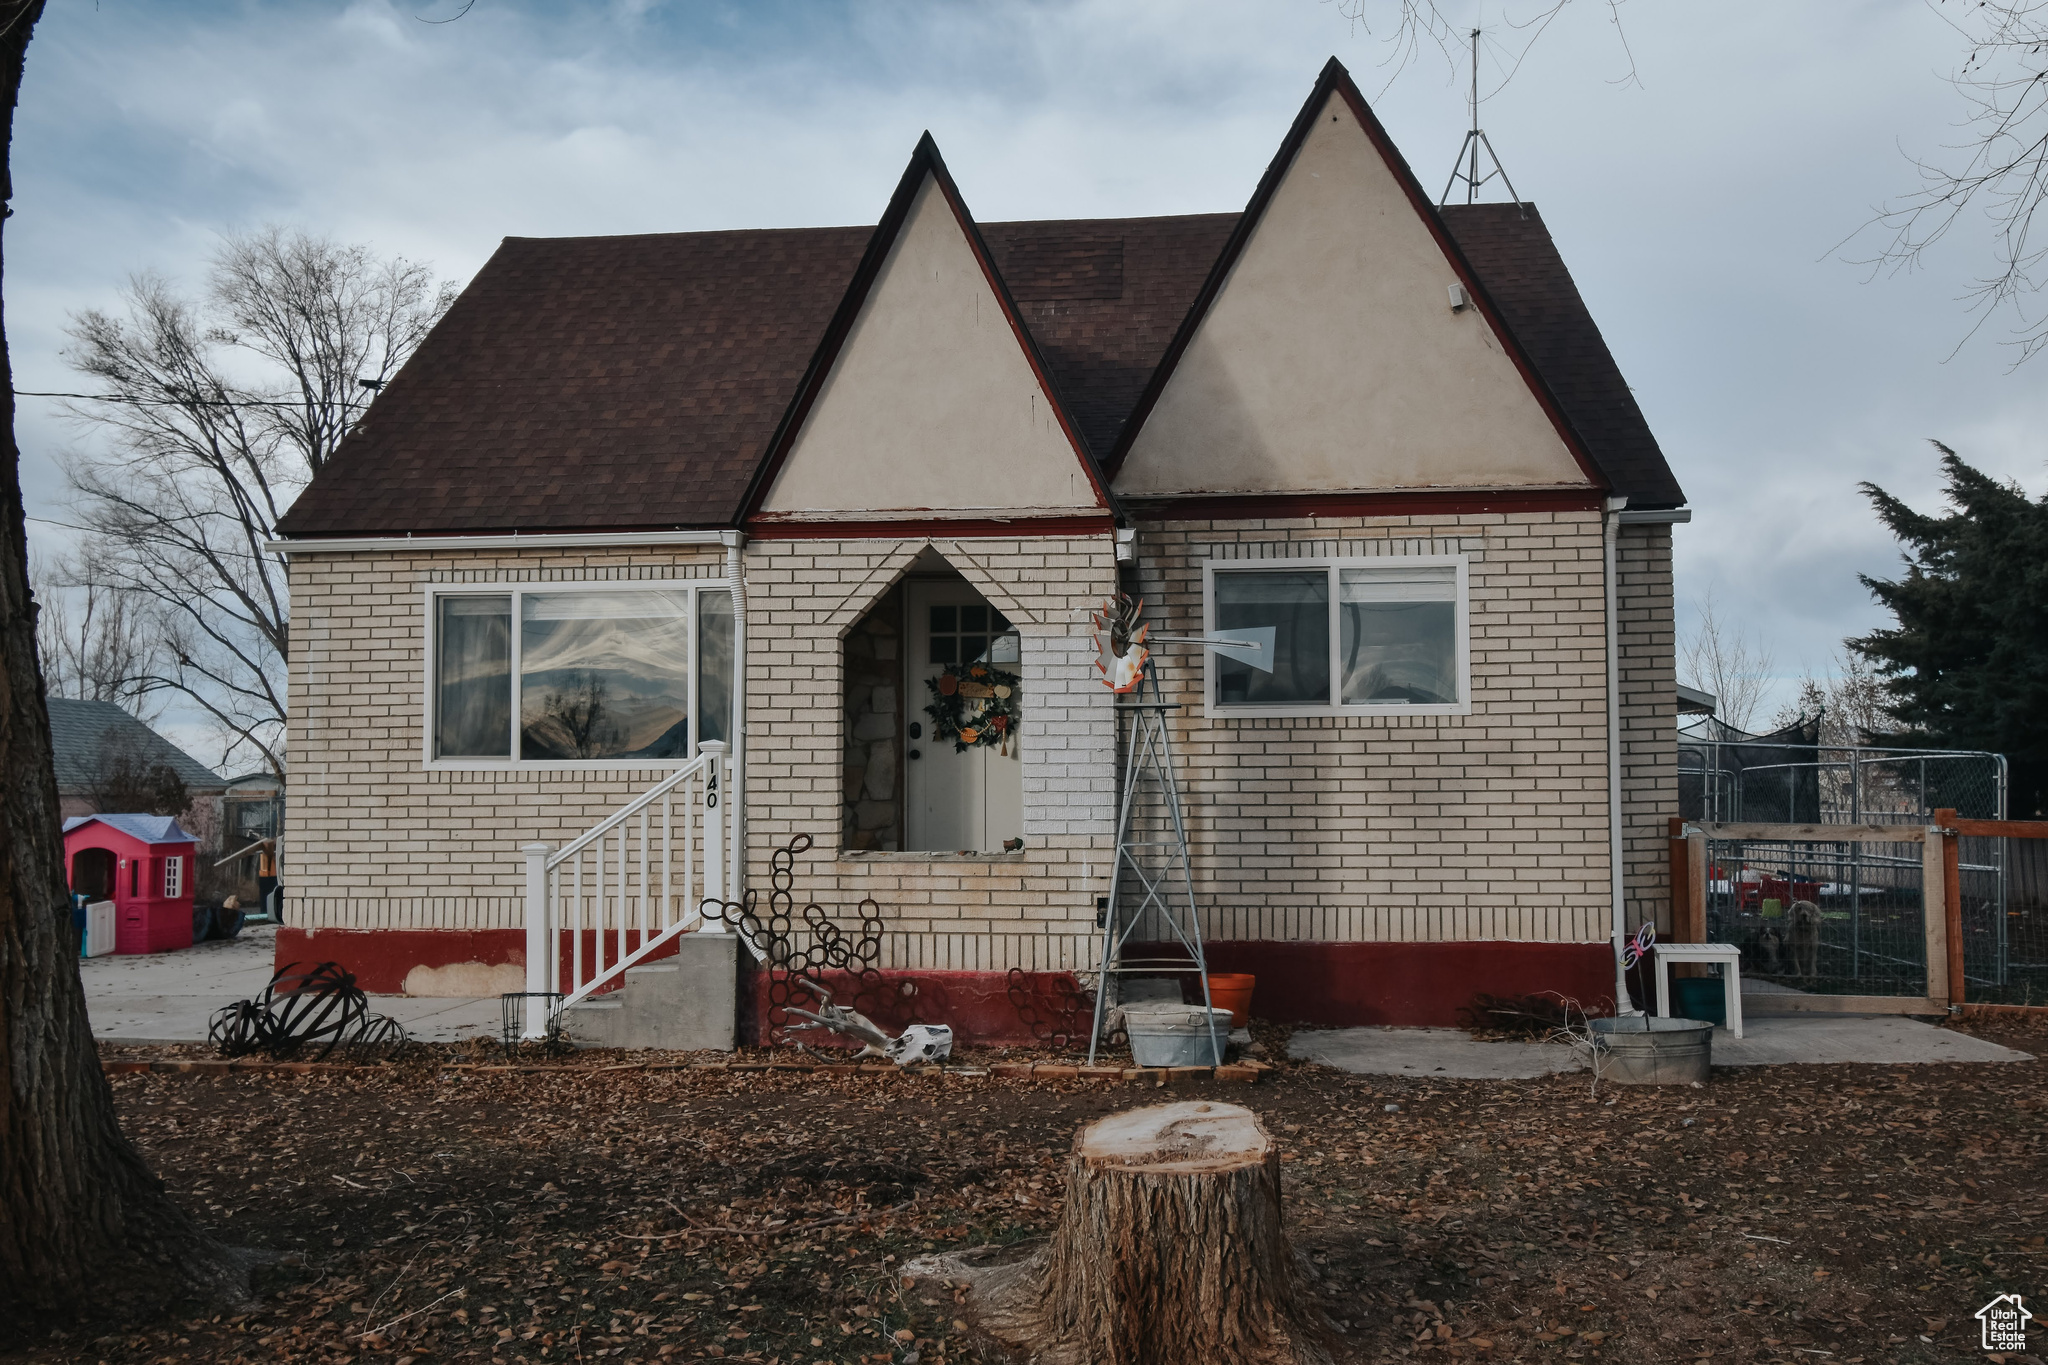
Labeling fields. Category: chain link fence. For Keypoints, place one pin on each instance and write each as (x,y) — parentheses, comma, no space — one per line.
(2005,921)
(1822,917)
(1768,780)
(1870,936)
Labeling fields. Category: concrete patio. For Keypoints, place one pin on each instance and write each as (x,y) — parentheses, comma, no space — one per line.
(1772,1040)
(171,997)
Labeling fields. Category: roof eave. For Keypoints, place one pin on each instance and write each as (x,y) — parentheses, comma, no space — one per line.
(1334,78)
(924,161)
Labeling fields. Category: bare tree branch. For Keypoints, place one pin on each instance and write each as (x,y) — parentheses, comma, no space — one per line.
(1720,659)
(2000,168)
(95,644)
(214,415)
(1407,27)
(1850,700)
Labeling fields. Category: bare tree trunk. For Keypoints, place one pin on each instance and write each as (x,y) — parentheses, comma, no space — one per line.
(1169,1249)
(83,1224)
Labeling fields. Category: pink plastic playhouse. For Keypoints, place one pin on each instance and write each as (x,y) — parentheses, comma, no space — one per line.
(145,865)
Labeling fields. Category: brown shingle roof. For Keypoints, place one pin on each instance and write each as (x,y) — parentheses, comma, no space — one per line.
(1527,280)
(586,382)
(622,383)
(1103,346)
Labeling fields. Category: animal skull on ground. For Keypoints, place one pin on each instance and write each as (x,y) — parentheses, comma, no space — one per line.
(920,1043)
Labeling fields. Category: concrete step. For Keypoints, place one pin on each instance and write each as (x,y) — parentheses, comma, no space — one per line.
(686,1002)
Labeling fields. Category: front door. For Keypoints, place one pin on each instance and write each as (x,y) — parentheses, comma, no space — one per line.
(972,801)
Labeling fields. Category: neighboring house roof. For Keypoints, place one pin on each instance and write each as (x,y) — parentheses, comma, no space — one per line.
(1692,701)
(79,730)
(148,829)
(636,383)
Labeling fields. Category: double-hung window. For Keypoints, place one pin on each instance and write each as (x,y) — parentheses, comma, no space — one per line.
(577,673)
(1380,635)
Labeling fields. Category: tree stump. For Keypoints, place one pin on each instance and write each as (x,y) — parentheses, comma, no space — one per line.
(1169,1249)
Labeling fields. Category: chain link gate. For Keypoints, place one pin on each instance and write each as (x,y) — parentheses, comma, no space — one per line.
(1874,895)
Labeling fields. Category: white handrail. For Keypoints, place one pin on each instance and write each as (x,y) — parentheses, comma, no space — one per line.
(643,882)
(633,807)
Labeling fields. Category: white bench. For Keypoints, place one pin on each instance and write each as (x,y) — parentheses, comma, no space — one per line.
(1727,954)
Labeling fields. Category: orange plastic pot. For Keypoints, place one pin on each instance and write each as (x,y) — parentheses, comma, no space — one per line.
(1232,991)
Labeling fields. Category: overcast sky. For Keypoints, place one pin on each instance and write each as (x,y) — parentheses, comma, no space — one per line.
(1699,207)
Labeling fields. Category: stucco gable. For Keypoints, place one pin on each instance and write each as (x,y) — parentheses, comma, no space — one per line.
(932,403)
(1326,357)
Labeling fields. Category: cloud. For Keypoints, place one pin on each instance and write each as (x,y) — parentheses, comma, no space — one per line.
(1700,212)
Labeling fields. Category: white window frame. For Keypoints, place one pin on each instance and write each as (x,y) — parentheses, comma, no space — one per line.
(516,590)
(174,878)
(1334,565)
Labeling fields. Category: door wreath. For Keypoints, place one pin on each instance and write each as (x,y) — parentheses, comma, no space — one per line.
(975,706)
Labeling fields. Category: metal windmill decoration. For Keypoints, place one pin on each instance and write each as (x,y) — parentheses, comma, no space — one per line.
(1119,640)
(1151,885)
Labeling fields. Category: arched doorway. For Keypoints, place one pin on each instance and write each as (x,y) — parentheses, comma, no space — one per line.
(92,873)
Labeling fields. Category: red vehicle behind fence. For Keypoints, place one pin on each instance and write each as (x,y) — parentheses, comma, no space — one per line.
(1751,894)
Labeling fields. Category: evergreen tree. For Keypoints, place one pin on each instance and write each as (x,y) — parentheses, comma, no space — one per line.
(1966,667)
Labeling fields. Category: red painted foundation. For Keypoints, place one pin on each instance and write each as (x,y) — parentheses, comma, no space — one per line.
(984,1009)
(382,958)
(1329,984)
(1413,984)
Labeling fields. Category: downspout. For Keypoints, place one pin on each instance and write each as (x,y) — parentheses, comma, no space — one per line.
(1611,534)
(736,763)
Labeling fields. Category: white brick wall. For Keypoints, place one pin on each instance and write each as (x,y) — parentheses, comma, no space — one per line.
(1487,826)
(1649,717)
(1035,909)
(374,839)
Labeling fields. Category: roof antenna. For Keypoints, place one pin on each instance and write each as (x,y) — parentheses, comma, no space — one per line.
(1466,166)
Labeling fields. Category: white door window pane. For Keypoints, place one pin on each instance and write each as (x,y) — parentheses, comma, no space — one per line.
(473,677)
(174,878)
(714,665)
(961,633)
(1399,638)
(1296,604)
(604,675)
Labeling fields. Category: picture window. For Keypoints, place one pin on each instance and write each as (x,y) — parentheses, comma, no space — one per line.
(579,673)
(1349,636)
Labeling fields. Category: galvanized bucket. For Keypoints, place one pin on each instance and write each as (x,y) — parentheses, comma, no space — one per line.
(1176,1035)
(1650,1051)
